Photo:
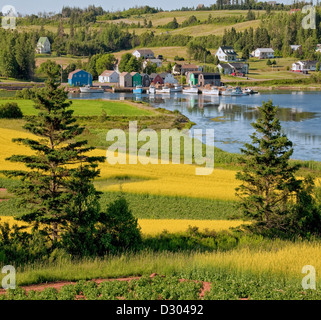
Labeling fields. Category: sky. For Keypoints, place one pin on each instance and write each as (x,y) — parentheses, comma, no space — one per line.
(35,6)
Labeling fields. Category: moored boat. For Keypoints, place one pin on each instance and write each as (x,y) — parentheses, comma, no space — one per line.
(214,91)
(138,89)
(88,89)
(164,89)
(191,89)
(237,92)
(152,89)
(226,92)
(177,88)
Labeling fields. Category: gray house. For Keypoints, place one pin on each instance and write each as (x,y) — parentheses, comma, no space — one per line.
(237,67)
(145,80)
(125,79)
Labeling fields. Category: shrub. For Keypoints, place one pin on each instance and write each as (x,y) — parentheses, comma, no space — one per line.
(10,110)
(25,93)
(177,58)
(121,225)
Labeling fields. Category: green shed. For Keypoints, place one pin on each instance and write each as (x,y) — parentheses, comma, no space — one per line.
(137,79)
(193,78)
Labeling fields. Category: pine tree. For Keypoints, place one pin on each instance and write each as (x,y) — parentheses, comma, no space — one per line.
(268,179)
(56,189)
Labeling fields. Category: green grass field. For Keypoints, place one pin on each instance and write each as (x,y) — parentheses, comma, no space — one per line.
(146,206)
(90,108)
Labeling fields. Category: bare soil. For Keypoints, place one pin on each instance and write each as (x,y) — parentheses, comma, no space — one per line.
(58,285)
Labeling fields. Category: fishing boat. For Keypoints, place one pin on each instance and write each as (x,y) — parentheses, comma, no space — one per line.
(151,89)
(88,89)
(249,91)
(226,92)
(163,90)
(190,90)
(237,92)
(138,89)
(213,91)
(177,88)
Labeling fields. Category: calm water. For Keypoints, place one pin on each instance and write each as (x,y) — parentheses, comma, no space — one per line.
(231,117)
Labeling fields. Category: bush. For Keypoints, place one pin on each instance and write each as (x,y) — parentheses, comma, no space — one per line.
(10,110)
(20,246)
(25,93)
(121,225)
(177,58)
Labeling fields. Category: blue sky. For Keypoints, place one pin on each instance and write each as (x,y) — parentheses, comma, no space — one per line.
(35,6)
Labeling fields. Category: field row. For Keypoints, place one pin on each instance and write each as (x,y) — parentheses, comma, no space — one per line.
(153,227)
(167,288)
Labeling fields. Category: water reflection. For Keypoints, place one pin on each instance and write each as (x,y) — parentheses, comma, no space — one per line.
(231,117)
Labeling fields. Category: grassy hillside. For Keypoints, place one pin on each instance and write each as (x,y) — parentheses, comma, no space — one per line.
(90,108)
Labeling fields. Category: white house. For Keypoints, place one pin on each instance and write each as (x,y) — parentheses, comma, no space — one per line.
(264,53)
(43,45)
(158,62)
(144,53)
(303,66)
(295,47)
(109,76)
(226,54)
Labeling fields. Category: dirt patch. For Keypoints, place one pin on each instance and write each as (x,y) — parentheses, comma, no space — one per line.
(58,285)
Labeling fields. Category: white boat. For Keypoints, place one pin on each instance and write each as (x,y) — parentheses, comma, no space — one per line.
(165,89)
(151,90)
(189,90)
(138,89)
(177,88)
(227,92)
(88,89)
(238,92)
(249,91)
(214,91)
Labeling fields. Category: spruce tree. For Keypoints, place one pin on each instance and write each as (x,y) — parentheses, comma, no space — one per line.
(57,187)
(268,179)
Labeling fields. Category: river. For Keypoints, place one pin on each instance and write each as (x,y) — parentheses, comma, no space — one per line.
(231,117)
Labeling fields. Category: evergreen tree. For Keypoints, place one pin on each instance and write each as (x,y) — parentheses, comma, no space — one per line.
(25,57)
(268,181)
(57,189)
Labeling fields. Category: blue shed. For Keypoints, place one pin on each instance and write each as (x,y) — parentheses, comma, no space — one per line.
(79,78)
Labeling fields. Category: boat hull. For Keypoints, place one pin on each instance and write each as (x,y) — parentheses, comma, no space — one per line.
(163,91)
(90,90)
(211,92)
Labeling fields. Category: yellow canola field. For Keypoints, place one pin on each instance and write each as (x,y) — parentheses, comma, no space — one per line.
(161,179)
(156,226)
